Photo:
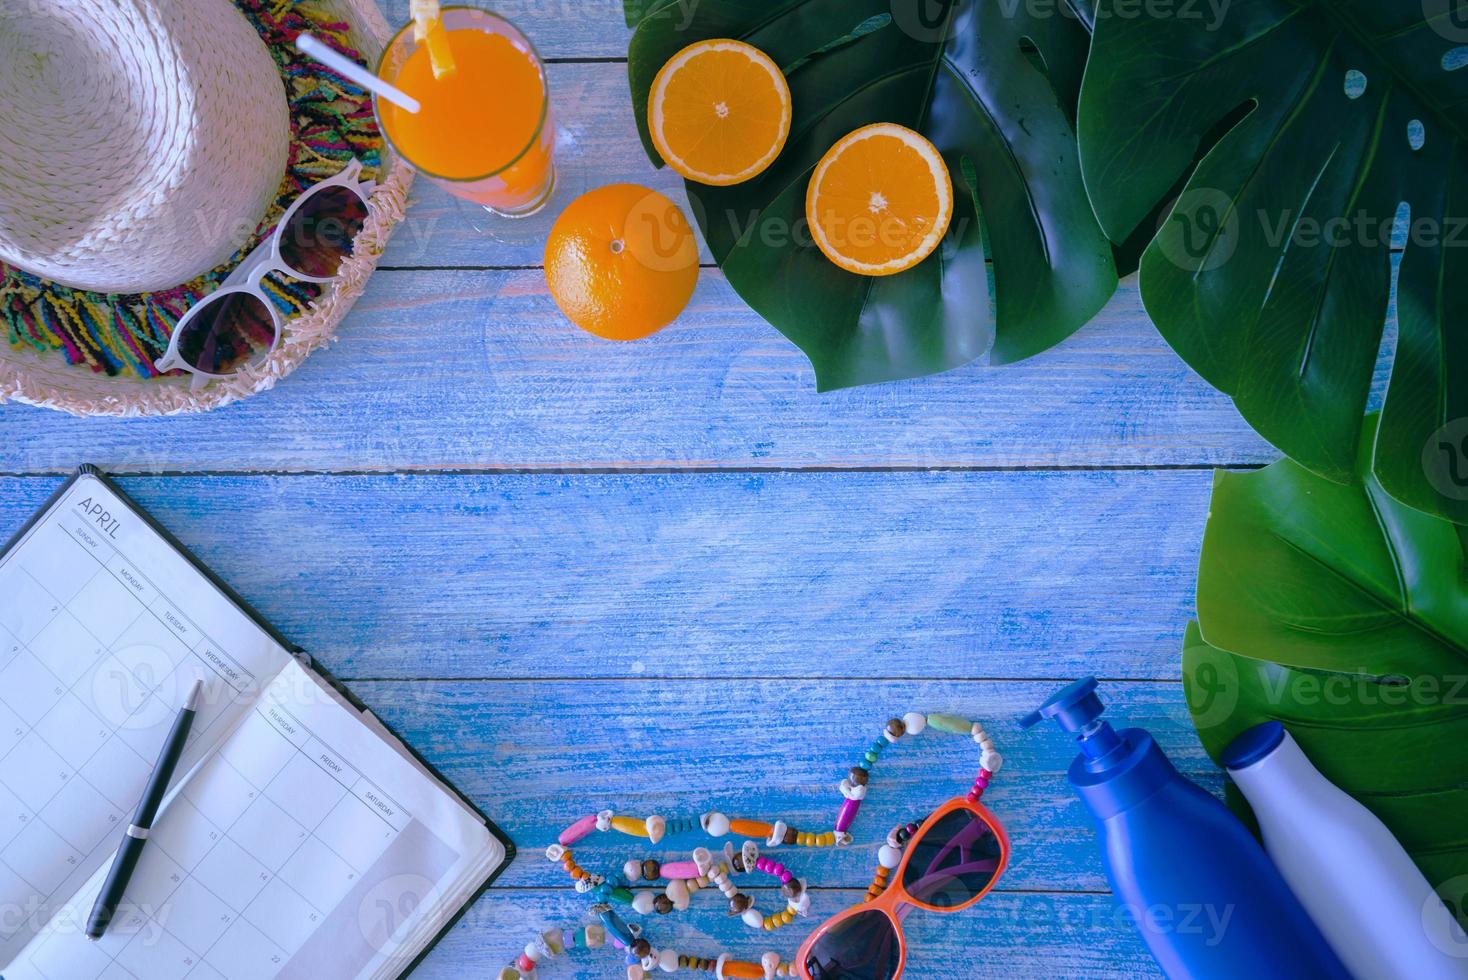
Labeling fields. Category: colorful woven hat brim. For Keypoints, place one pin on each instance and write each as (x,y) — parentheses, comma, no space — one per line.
(119,336)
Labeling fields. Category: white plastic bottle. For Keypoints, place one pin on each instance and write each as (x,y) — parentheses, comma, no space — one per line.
(1375,908)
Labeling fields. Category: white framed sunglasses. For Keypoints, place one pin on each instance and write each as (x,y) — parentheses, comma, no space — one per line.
(237,326)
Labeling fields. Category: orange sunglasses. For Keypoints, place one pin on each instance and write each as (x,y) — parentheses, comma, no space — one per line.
(950,862)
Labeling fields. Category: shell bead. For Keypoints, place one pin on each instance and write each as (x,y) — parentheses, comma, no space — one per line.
(889,857)
(753,919)
(656,828)
(801,903)
(916,722)
(642,902)
(716,824)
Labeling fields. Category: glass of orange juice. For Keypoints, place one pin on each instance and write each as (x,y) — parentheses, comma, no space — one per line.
(484,132)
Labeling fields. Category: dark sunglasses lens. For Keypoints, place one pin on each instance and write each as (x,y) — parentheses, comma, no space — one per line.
(227,334)
(863,947)
(320,234)
(952,861)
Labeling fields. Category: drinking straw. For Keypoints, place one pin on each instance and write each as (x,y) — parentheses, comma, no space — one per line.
(309,44)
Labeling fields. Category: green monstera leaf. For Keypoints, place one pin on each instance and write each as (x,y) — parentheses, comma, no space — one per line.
(1400,748)
(1342,613)
(1302,128)
(993,84)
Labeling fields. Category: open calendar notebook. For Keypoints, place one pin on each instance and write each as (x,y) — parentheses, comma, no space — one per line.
(300,839)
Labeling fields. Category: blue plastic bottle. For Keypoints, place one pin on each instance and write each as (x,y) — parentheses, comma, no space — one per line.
(1199,888)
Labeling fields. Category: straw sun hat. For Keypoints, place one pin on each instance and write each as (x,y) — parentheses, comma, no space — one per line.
(147,145)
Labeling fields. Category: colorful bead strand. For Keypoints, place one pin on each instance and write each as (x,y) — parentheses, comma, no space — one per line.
(854,786)
(775,833)
(889,857)
(879,883)
(685,878)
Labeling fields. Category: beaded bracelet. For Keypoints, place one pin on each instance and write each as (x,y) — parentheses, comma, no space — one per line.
(703,870)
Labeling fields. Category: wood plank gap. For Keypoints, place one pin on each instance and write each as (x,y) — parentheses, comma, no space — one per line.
(348,678)
(733,470)
(832,889)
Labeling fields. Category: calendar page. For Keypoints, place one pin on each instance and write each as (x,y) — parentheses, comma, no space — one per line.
(305,848)
(104,627)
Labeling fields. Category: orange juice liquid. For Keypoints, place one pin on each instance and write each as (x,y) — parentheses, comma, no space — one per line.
(484,129)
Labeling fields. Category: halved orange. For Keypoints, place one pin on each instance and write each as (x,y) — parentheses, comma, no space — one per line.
(719,112)
(880,200)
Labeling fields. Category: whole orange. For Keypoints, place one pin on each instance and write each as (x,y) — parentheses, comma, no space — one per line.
(621,262)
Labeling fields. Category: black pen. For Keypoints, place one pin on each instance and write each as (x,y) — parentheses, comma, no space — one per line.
(136,835)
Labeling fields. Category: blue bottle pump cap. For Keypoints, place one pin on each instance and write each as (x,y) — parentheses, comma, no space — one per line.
(1077,708)
(1073,707)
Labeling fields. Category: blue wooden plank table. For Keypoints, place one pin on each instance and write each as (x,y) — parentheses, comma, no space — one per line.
(670,577)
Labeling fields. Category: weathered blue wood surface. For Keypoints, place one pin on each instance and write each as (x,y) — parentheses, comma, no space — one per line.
(477,370)
(669,577)
(1020,574)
